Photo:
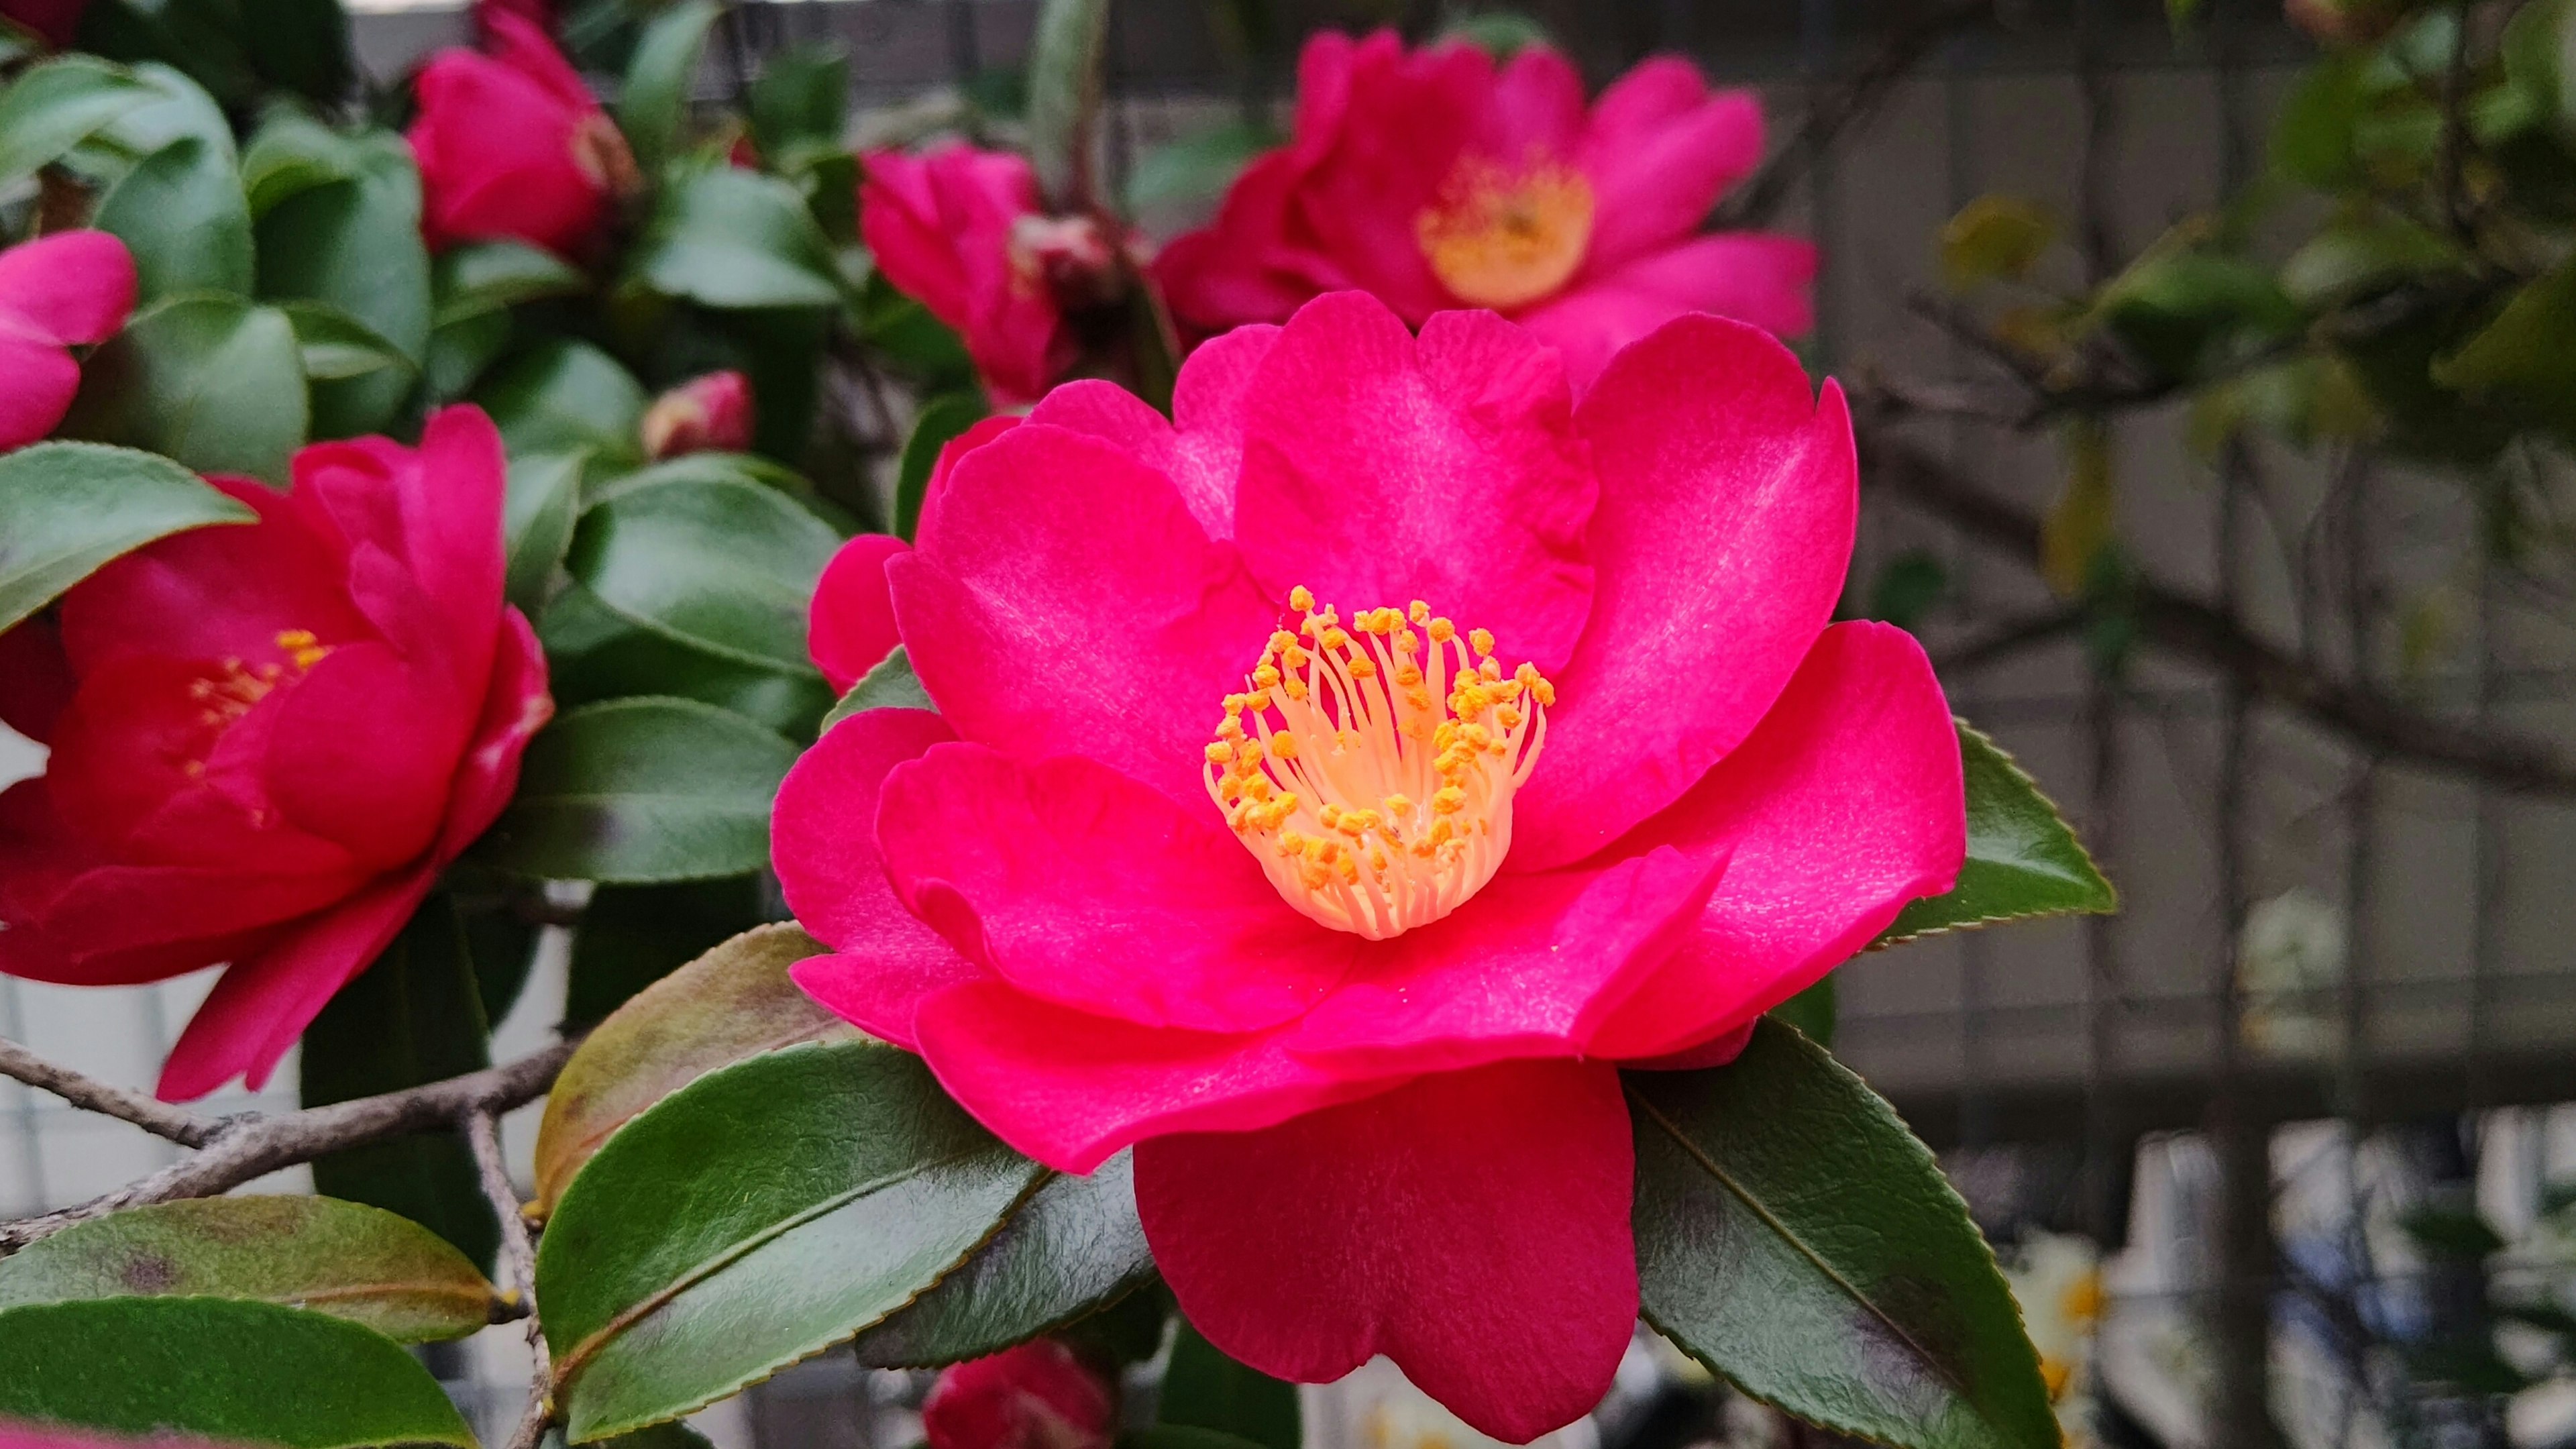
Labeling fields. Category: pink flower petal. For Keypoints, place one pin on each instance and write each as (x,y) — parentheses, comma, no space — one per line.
(849,627)
(1071,1089)
(1407,118)
(1472,1226)
(496,143)
(1527,969)
(36,683)
(515,707)
(1210,404)
(1721,547)
(1063,600)
(1065,876)
(1536,111)
(941,226)
(1842,807)
(43,380)
(71,286)
(823,828)
(983,431)
(1764,280)
(362,753)
(889,966)
(1379,469)
(1661,149)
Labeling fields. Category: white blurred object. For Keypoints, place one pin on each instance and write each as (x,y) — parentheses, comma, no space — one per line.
(2057,1280)
(2289,962)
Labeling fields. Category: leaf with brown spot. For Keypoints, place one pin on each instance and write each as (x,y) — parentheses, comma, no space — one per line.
(733,1002)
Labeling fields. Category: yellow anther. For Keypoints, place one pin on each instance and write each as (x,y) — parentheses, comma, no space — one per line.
(1334,638)
(1399,806)
(1482,641)
(1220,753)
(1418,611)
(1449,800)
(1301,598)
(1283,746)
(1442,631)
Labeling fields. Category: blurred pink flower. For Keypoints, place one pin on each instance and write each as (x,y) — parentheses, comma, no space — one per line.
(513,145)
(70,287)
(1040,1395)
(1438,178)
(539,13)
(19,1434)
(705,414)
(55,20)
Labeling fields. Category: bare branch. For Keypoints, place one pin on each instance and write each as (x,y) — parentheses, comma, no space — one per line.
(483,1135)
(2007,639)
(156,1117)
(252,1146)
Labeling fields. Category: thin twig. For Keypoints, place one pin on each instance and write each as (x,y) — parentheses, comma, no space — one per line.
(483,1134)
(251,1145)
(156,1117)
(2455,129)
(2007,639)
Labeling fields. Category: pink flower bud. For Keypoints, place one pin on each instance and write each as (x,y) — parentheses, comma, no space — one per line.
(1036,1396)
(707,414)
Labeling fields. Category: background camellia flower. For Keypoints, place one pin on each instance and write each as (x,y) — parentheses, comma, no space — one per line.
(55,20)
(20,1434)
(705,414)
(1040,1395)
(1439,179)
(513,145)
(71,287)
(539,13)
(1268,697)
(962,232)
(266,740)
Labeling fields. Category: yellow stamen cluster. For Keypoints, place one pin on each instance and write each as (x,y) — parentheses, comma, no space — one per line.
(1370,764)
(1505,237)
(236,685)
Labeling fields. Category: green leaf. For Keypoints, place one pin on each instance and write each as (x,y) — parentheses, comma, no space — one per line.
(564,395)
(597,654)
(1907,587)
(2522,359)
(920,346)
(292,153)
(53,107)
(180,108)
(733,1002)
(213,381)
(942,421)
(632,936)
(1179,1436)
(1204,1389)
(729,238)
(221,1368)
(413,1017)
(2313,134)
(2353,258)
(342,1258)
(655,98)
(1501,34)
(642,790)
(66,508)
(2022,858)
(890,685)
(723,565)
(356,244)
(1994,238)
(1813,1012)
(181,213)
(459,352)
(337,346)
(800,100)
(2538,48)
(1177,186)
(300,44)
(1065,57)
(537,521)
(1073,1248)
(756,1217)
(1795,1238)
(479,277)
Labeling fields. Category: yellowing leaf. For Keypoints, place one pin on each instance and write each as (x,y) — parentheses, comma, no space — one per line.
(2081,523)
(1994,237)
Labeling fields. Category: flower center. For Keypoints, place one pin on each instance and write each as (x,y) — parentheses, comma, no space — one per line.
(1501,238)
(1370,767)
(227,694)
(600,150)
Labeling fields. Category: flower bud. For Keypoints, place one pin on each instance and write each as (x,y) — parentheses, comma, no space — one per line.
(1069,255)
(1039,1395)
(707,414)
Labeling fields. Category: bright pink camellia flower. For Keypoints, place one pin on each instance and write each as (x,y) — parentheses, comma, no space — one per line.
(1338,912)
(20,1434)
(71,287)
(513,145)
(1439,179)
(268,739)
(1040,1395)
(710,413)
(539,13)
(962,232)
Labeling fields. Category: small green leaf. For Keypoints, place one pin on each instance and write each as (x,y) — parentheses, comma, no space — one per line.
(212,381)
(2022,858)
(2347,260)
(181,213)
(66,508)
(487,276)
(733,1002)
(1204,1389)
(1065,57)
(756,1217)
(337,346)
(1994,238)
(1794,1237)
(342,1258)
(1074,1248)
(53,107)
(2313,135)
(801,99)
(1501,34)
(291,153)
(220,1368)
(655,98)
(2522,359)
(890,685)
(722,565)
(729,238)
(537,521)
(942,421)
(1177,186)
(564,395)
(642,790)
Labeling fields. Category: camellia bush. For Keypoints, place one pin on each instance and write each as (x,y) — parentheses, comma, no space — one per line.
(1254,798)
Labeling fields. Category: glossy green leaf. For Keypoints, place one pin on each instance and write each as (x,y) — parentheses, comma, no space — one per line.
(642,790)
(564,395)
(2022,858)
(212,381)
(1072,1249)
(342,1258)
(655,99)
(632,936)
(890,685)
(2523,359)
(53,107)
(223,1369)
(597,653)
(723,566)
(1795,1238)
(355,244)
(942,421)
(180,108)
(1177,186)
(537,520)
(66,508)
(758,1216)
(413,1017)
(801,99)
(181,213)
(734,1001)
(337,346)
(460,352)
(729,238)
(292,152)
(1204,1389)
(1065,55)
(473,278)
